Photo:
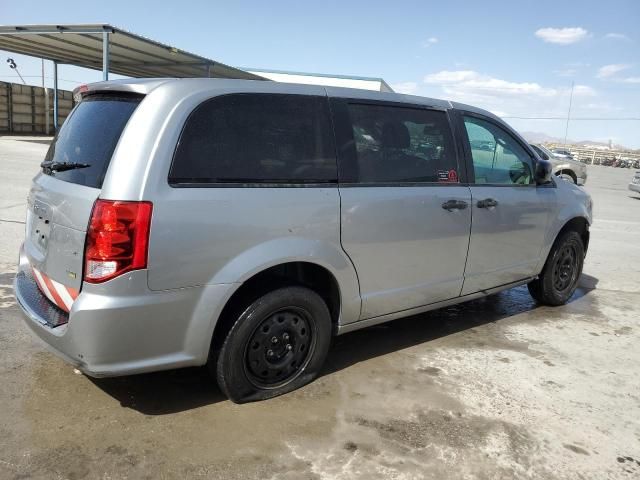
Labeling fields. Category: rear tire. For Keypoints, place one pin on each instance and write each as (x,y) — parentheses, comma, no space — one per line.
(277,344)
(558,280)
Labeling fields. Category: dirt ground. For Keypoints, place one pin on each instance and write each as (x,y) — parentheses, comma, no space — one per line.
(498,388)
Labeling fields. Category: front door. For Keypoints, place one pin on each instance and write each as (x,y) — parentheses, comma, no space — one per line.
(509,211)
(405,216)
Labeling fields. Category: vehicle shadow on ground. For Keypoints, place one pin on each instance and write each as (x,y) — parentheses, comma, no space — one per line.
(162,393)
(375,341)
(175,391)
(36,140)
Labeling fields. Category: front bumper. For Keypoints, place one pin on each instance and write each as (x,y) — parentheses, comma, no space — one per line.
(635,187)
(121,327)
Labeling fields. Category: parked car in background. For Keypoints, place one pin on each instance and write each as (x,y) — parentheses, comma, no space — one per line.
(241,224)
(635,183)
(564,167)
(562,153)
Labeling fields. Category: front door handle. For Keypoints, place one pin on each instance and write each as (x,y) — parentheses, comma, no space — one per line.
(454,205)
(487,203)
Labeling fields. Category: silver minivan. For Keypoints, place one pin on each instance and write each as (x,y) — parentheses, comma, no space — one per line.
(242,224)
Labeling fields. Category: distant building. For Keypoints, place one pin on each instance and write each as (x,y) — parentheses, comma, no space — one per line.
(327,80)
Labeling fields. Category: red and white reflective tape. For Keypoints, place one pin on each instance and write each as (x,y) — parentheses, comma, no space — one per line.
(58,293)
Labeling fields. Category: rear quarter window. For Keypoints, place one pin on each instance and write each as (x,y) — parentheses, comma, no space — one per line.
(90,135)
(256,138)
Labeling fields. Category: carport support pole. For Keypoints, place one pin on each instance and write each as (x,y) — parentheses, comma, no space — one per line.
(105,56)
(55,96)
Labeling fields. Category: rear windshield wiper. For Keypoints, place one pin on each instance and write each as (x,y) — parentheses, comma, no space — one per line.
(61,166)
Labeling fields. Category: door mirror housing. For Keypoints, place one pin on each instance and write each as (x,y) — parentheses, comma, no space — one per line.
(543,172)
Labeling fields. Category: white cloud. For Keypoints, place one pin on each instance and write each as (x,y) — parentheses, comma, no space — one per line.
(584,91)
(617,36)
(537,100)
(505,97)
(447,76)
(607,71)
(409,88)
(430,41)
(571,69)
(567,72)
(631,80)
(562,36)
(469,81)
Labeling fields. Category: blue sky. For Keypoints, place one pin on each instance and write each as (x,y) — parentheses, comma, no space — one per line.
(513,58)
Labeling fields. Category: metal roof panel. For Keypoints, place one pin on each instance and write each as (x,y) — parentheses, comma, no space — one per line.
(129,54)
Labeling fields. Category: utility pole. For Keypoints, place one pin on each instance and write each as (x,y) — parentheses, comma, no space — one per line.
(566,131)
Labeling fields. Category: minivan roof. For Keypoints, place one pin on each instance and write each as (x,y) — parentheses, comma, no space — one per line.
(147,85)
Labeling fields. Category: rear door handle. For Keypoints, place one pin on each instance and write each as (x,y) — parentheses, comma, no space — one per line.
(454,205)
(487,203)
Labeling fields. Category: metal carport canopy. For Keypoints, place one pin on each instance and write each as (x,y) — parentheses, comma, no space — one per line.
(110,49)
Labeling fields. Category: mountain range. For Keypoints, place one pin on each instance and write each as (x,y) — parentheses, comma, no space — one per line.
(539,137)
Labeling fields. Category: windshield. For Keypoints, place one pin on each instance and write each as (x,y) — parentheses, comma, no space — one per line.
(89,136)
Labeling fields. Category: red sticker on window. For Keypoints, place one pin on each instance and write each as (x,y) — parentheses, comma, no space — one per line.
(449,176)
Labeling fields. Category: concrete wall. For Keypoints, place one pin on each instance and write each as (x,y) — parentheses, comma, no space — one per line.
(23,108)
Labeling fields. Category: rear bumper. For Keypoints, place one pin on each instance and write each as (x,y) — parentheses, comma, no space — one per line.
(121,327)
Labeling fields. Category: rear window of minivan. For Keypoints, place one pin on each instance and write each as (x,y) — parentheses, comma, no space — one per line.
(89,136)
(256,139)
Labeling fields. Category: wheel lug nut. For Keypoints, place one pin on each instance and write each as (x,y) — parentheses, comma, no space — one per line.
(289,347)
(274,340)
(285,337)
(269,353)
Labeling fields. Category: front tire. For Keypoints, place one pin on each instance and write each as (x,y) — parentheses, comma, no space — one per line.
(558,280)
(568,175)
(276,345)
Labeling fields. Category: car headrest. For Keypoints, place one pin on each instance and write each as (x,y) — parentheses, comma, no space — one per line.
(431,130)
(395,135)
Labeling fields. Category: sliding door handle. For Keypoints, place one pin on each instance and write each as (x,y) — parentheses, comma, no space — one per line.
(451,205)
(487,203)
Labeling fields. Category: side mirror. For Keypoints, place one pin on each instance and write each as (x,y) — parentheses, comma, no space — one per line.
(543,172)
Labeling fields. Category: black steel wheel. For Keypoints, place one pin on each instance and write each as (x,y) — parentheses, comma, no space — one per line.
(280,347)
(276,345)
(565,268)
(558,280)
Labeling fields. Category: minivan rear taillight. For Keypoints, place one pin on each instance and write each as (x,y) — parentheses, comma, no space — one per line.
(117,239)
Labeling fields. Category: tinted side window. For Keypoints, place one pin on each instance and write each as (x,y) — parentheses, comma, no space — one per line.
(90,135)
(398,144)
(254,138)
(497,157)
